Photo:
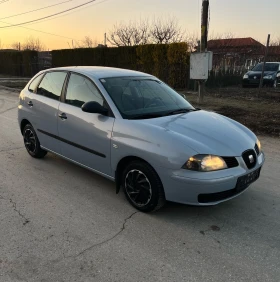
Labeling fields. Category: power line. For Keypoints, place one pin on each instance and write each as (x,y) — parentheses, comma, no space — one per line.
(60,16)
(4,1)
(62,12)
(16,15)
(62,36)
(53,34)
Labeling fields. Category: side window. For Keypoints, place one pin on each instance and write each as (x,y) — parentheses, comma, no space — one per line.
(51,85)
(35,83)
(81,90)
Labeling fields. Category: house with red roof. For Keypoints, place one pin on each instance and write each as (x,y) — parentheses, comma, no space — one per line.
(236,54)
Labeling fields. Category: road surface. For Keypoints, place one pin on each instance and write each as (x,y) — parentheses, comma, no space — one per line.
(60,222)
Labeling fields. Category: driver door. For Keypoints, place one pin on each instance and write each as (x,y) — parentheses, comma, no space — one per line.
(85,137)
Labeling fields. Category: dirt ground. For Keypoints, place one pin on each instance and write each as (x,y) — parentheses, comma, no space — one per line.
(259,112)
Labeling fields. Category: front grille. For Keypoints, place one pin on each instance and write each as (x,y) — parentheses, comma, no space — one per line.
(257,149)
(217,197)
(258,76)
(250,158)
(231,162)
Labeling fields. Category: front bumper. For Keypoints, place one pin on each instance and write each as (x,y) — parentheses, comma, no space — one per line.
(256,82)
(211,188)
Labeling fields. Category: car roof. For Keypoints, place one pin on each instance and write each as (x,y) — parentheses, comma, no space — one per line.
(270,63)
(101,72)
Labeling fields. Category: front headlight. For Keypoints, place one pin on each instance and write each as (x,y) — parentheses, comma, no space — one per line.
(246,76)
(268,77)
(205,163)
(259,145)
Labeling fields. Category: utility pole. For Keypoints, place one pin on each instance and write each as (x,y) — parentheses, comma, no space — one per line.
(264,61)
(105,39)
(203,42)
(19,46)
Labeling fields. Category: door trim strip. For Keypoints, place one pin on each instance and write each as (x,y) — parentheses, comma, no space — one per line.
(72,144)
(79,164)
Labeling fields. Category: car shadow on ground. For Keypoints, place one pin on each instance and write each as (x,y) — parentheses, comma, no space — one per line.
(242,210)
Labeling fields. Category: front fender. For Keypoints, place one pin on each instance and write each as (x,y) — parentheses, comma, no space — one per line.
(150,143)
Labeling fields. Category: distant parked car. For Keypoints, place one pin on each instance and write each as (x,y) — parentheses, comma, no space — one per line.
(271,75)
(135,130)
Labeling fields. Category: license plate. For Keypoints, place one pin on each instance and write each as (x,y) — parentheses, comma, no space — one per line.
(244,181)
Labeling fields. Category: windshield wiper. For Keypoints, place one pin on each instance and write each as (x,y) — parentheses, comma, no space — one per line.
(146,116)
(180,111)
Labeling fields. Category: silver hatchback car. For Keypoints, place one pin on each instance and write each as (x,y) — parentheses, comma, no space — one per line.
(135,130)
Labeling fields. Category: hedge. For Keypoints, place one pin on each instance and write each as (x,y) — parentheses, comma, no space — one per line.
(168,62)
(24,63)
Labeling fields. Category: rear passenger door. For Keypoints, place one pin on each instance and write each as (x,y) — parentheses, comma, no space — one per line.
(85,137)
(45,108)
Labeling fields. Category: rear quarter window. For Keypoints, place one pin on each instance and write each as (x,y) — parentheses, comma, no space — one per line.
(33,85)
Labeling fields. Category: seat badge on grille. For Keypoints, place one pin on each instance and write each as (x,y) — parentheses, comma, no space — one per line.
(251,159)
(255,77)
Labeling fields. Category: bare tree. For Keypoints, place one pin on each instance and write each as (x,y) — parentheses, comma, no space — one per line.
(164,31)
(1,45)
(15,45)
(274,42)
(192,40)
(87,42)
(223,35)
(131,34)
(33,44)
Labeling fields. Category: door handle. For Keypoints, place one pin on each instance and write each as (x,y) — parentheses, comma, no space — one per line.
(62,116)
(30,104)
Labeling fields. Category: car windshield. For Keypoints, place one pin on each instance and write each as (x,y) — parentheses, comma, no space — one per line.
(144,97)
(268,67)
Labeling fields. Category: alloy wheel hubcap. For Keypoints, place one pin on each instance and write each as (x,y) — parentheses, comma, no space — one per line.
(138,187)
(30,140)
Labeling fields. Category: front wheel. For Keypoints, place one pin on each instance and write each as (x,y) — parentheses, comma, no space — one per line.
(142,187)
(32,143)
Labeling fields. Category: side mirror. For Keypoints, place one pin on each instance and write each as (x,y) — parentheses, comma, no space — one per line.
(94,108)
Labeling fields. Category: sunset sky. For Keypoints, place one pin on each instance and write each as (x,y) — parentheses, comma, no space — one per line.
(244,18)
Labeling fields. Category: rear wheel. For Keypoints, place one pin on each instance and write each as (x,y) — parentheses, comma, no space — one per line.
(32,143)
(142,187)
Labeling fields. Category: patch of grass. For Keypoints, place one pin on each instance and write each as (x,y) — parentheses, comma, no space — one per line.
(260,114)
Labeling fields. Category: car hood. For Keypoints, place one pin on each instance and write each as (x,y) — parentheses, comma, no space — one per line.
(206,132)
(251,73)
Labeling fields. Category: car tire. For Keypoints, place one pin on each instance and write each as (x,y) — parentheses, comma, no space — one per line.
(32,143)
(142,187)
